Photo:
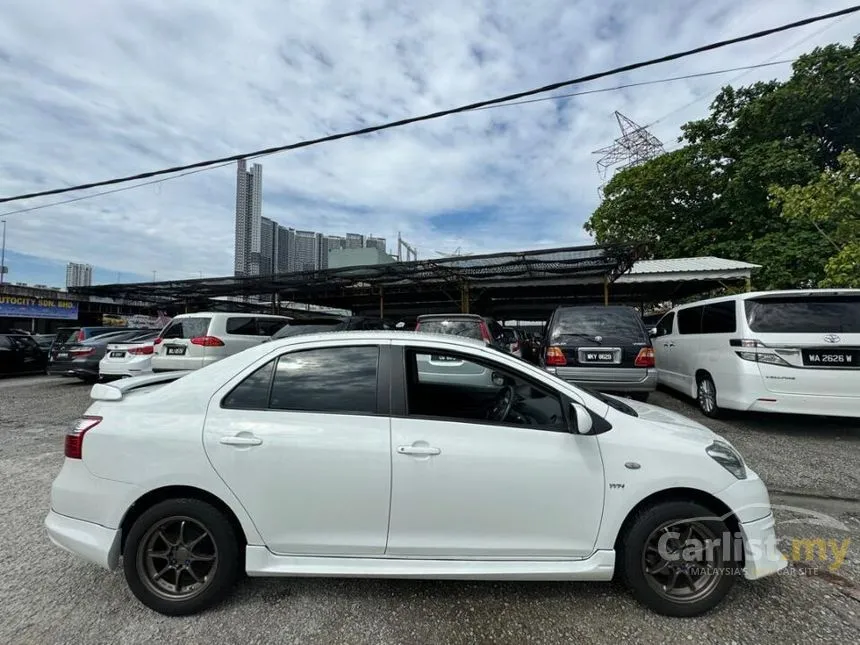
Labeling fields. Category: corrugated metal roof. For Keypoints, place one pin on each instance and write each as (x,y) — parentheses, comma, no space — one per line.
(685,265)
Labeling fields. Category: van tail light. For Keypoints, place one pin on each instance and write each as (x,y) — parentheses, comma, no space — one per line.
(140,351)
(757,352)
(75,436)
(485,332)
(157,340)
(554,356)
(82,351)
(645,358)
(207,341)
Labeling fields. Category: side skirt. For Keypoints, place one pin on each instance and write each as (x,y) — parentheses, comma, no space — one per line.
(259,561)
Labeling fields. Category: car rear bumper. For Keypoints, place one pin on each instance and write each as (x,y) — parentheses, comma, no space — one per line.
(92,542)
(70,368)
(613,379)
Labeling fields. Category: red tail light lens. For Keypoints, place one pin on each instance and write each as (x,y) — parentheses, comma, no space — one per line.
(555,356)
(207,341)
(82,351)
(75,437)
(139,351)
(157,340)
(485,332)
(645,358)
(80,336)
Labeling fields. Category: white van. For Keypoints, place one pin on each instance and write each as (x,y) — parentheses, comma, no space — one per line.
(192,341)
(770,351)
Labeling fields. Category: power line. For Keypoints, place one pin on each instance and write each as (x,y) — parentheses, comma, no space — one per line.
(488,107)
(441,113)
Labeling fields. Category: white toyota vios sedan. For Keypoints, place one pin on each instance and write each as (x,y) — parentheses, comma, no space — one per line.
(336,455)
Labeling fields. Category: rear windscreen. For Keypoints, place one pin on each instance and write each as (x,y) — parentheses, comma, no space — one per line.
(298,330)
(597,322)
(187,328)
(467,328)
(810,315)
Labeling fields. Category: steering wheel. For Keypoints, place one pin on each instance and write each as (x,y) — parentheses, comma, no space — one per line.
(501,407)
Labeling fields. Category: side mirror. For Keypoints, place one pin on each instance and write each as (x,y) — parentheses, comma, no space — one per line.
(653,332)
(581,418)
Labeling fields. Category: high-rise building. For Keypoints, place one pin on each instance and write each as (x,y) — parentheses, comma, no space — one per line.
(306,256)
(286,249)
(375,242)
(326,244)
(78,275)
(268,246)
(354,241)
(249,204)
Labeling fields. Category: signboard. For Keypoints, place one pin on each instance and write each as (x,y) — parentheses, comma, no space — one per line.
(26,307)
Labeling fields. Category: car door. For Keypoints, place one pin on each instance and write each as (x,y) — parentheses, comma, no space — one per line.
(31,355)
(303,441)
(688,349)
(664,355)
(8,356)
(468,487)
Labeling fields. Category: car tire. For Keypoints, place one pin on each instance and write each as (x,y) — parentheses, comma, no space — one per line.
(706,396)
(642,397)
(196,552)
(640,566)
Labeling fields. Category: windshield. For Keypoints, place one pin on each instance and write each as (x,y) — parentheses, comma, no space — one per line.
(467,328)
(611,401)
(802,314)
(597,322)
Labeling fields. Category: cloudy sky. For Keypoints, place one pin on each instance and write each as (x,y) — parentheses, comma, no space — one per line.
(97,88)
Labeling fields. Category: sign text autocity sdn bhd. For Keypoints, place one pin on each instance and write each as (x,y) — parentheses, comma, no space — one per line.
(27,307)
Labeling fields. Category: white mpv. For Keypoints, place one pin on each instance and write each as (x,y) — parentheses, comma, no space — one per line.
(769,351)
(335,455)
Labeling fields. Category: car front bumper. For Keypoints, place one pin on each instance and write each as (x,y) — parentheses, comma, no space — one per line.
(609,379)
(90,541)
(761,554)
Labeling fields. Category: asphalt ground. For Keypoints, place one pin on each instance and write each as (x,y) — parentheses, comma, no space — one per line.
(812,466)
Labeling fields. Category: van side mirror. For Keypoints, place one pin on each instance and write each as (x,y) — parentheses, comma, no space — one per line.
(653,332)
(581,418)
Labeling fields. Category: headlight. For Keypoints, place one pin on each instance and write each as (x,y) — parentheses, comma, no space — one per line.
(728,458)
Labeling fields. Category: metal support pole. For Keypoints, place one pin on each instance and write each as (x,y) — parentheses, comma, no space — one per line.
(464,297)
(3,254)
(749,284)
(275,304)
(381,303)
(605,291)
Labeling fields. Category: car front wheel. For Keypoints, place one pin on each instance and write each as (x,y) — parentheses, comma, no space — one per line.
(181,556)
(679,559)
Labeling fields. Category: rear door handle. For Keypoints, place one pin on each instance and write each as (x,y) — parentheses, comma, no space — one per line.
(241,440)
(418,450)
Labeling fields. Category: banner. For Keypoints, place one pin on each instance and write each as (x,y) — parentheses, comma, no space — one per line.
(26,307)
(137,321)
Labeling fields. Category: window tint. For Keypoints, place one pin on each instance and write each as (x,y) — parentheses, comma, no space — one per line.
(253,392)
(186,328)
(597,321)
(242,326)
(813,314)
(268,326)
(333,379)
(449,386)
(690,320)
(666,324)
(5,342)
(453,327)
(719,318)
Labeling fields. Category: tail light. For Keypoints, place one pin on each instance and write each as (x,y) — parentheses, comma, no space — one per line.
(485,332)
(554,356)
(157,340)
(207,341)
(75,437)
(757,352)
(645,358)
(139,351)
(80,336)
(82,351)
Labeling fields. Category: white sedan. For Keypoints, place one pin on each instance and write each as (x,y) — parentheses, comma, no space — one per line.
(332,455)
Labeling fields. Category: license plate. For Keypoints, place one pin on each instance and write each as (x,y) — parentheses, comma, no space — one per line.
(175,351)
(444,359)
(117,354)
(831,358)
(598,357)
(63,355)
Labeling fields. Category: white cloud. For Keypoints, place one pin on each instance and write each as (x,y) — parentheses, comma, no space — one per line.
(93,89)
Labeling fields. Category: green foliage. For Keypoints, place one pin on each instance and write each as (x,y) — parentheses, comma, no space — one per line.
(712,196)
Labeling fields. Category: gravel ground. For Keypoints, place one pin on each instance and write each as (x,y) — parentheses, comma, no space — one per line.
(48,596)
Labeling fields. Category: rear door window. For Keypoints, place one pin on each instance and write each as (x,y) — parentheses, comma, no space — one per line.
(187,328)
(690,320)
(253,392)
(242,326)
(804,315)
(719,318)
(5,343)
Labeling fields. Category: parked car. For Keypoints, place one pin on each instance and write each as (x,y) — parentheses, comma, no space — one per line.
(68,335)
(332,457)
(192,341)
(44,341)
(515,340)
(603,348)
(465,325)
(81,359)
(131,357)
(301,326)
(20,354)
(768,351)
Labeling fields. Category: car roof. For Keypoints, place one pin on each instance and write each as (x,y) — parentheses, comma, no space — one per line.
(210,314)
(772,294)
(449,316)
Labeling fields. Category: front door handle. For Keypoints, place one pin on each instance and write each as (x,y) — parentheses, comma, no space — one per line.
(668,344)
(241,440)
(418,450)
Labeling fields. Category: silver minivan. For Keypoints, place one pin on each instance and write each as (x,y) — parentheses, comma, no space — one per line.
(192,341)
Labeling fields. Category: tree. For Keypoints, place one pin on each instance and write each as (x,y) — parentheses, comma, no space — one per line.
(831,204)
(712,195)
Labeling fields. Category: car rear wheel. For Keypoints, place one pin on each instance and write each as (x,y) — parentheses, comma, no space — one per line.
(675,561)
(181,556)
(706,396)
